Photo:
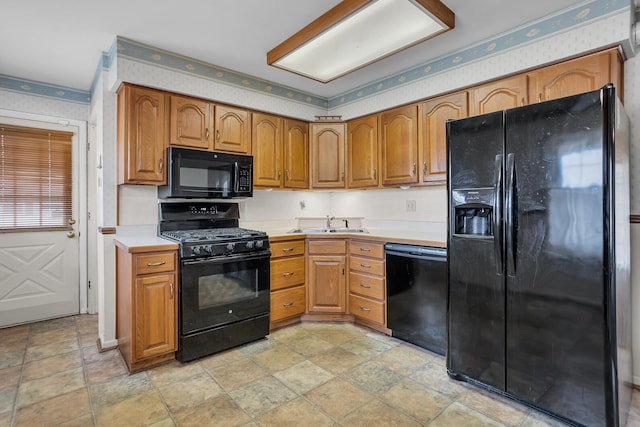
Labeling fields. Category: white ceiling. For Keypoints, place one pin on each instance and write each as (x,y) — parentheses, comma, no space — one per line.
(60,42)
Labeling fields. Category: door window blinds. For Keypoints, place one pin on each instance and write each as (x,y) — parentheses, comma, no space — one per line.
(35,179)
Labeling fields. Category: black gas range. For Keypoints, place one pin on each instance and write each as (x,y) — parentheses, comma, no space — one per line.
(224,277)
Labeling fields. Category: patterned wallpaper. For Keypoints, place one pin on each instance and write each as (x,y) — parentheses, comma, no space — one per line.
(584,13)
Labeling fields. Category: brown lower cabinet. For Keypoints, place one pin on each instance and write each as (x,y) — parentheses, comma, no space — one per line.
(288,276)
(327,289)
(146,305)
(367,285)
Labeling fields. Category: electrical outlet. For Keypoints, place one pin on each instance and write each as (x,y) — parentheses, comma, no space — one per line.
(411,205)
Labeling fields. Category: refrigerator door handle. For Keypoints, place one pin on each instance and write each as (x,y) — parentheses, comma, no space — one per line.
(509,211)
(497,215)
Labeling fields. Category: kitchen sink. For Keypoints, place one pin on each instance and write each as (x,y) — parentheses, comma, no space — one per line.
(328,230)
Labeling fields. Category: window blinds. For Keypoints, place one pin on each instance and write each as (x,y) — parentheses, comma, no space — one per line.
(35,179)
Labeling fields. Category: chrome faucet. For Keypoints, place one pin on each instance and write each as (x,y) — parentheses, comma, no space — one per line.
(346,222)
(329,219)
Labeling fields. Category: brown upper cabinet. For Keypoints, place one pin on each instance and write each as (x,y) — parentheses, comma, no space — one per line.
(576,76)
(141,135)
(327,155)
(499,95)
(296,154)
(233,130)
(267,140)
(399,145)
(190,122)
(435,114)
(362,152)
(200,124)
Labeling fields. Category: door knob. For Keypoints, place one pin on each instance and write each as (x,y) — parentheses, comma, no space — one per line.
(72,221)
(71,234)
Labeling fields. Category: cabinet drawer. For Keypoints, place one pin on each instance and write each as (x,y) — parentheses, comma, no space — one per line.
(282,249)
(369,286)
(327,247)
(287,272)
(366,265)
(155,262)
(366,308)
(368,249)
(287,303)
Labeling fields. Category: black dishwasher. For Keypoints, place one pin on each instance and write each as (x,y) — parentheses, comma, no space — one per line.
(417,295)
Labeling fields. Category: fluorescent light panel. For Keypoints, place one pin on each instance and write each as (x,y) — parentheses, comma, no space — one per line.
(373,32)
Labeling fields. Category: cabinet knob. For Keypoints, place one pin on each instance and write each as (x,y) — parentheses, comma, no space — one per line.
(424,169)
(170,290)
(287,249)
(363,308)
(523,101)
(289,304)
(286,172)
(413,169)
(161,164)
(287,274)
(218,135)
(539,97)
(206,134)
(279,174)
(365,249)
(365,286)
(365,265)
(375,173)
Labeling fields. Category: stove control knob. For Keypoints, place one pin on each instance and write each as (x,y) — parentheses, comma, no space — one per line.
(230,246)
(208,248)
(259,243)
(250,244)
(197,250)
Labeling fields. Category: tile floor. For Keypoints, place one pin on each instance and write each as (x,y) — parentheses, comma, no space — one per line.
(313,374)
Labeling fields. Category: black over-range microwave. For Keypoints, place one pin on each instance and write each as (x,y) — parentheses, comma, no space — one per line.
(207,175)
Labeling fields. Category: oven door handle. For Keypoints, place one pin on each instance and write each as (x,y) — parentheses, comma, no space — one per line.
(229,258)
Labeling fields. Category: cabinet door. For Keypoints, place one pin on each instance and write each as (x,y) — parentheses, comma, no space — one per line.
(141,136)
(327,289)
(296,154)
(155,315)
(233,130)
(570,78)
(266,147)
(327,154)
(499,95)
(190,123)
(399,144)
(435,114)
(362,152)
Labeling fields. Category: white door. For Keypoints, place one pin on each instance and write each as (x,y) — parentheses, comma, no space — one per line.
(40,270)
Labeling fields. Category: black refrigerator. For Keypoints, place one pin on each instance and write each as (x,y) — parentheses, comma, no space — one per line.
(539,301)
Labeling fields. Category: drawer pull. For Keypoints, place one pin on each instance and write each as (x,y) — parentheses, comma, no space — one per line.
(364,308)
(365,286)
(170,290)
(365,265)
(287,249)
(288,304)
(288,274)
(363,249)
(156,264)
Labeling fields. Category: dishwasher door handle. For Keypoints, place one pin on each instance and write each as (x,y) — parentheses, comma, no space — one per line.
(440,258)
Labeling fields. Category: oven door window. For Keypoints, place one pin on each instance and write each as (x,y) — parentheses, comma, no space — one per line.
(205,175)
(215,292)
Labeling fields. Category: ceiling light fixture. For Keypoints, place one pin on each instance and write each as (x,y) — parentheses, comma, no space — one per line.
(356,33)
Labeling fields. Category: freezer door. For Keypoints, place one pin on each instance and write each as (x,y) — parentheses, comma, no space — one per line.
(556,256)
(475,303)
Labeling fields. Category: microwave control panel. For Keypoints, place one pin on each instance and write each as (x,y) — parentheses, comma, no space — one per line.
(244,179)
